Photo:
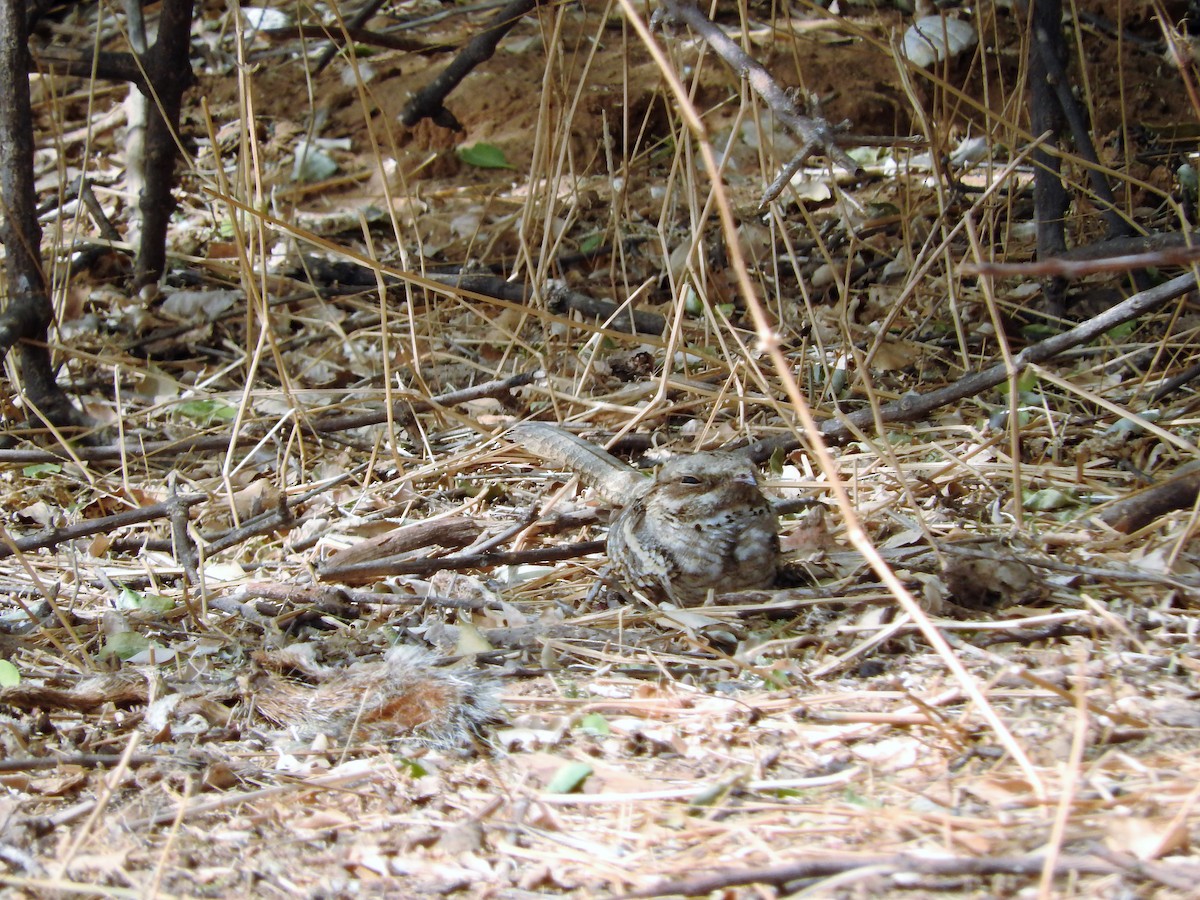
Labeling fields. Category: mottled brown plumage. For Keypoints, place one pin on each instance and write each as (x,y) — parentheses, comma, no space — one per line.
(700,524)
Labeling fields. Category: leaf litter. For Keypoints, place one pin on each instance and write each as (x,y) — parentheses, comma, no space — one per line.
(223,726)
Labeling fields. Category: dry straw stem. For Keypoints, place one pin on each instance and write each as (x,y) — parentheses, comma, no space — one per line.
(769,341)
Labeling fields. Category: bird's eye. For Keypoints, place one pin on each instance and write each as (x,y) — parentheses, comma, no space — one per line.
(689,479)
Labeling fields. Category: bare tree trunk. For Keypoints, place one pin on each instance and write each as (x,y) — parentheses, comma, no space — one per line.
(1046,115)
(169,68)
(28,312)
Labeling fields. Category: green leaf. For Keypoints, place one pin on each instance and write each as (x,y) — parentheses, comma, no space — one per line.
(1121,332)
(131,599)
(776,681)
(1048,499)
(592,243)
(778,460)
(124,645)
(10,675)
(1037,331)
(37,470)
(1027,382)
(207,411)
(789,793)
(853,797)
(569,778)
(414,767)
(595,725)
(714,793)
(665,152)
(879,209)
(484,156)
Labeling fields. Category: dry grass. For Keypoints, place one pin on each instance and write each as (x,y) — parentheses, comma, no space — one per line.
(972,671)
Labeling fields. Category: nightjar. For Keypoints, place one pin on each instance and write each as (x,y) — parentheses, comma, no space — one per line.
(700,524)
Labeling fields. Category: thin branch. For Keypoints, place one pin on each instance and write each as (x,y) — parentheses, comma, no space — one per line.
(54,536)
(377,569)
(427,103)
(915,407)
(815,134)
(831,864)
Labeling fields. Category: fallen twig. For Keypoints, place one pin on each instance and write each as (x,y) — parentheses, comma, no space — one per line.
(55,535)
(1140,509)
(1061,267)
(815,133)
(383,568)
(914,407)
(827,865)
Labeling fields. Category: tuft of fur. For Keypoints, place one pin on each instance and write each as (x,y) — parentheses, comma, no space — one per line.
(403,696)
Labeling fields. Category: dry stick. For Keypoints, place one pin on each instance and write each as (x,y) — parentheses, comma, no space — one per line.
(1179,491)
(915,406)
(82,760)
(837,864)
(814,133)
(1077,268)
(182,545)
(332,781)
(455,531)
(360,572)
(769,340)
(56,535)
(403,411)
(272,520)
(427,102)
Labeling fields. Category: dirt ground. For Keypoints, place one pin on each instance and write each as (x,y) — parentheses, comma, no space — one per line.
(243,726)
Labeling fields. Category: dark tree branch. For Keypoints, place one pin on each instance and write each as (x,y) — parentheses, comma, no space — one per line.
(1048,61)
(427,103)
(82,63)
(169,67)
(359,19)
(360,573)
